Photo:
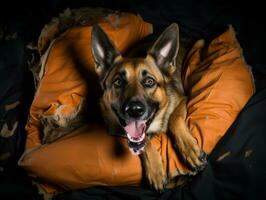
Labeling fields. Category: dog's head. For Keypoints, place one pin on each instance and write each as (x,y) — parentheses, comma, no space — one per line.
(135,89)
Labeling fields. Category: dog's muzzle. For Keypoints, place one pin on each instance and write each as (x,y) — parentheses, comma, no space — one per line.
(135,117)
(138,116)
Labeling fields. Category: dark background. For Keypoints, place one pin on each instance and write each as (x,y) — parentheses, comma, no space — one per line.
(196,17)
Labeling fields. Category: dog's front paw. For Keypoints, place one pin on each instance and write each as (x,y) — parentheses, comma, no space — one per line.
(153,166)
(187,145)
(156,178)
(193,154)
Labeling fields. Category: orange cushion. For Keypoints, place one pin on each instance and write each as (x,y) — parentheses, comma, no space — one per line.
(219,83)
(217,80)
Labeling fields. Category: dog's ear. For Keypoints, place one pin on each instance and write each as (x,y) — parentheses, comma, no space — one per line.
(103,51)
(165,49)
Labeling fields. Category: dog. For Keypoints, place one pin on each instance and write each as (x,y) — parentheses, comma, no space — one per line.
(144,96)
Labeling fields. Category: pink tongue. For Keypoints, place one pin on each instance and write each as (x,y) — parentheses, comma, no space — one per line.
(135,128)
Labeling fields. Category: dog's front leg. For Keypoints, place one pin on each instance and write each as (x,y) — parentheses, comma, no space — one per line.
(153,166)
(184,141)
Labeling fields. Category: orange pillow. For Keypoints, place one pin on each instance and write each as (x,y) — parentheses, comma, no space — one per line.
(217,80)
(219,83)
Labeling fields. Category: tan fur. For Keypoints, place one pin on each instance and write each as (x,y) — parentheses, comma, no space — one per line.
(152,162)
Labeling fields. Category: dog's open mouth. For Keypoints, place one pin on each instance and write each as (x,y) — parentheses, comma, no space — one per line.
(136,135)
(136,132)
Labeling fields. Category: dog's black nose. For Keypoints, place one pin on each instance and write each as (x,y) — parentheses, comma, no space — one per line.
(135,109)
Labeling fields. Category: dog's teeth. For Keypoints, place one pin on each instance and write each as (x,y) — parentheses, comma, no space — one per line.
(138,140)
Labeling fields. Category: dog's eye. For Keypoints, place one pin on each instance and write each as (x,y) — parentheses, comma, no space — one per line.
(117,83)
(148,82)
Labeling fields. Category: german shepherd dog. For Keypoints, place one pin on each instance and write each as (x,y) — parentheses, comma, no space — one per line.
(143,96)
